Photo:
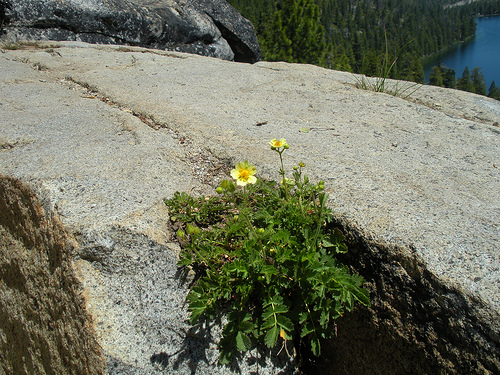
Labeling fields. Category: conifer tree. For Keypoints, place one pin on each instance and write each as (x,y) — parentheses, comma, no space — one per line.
(297,34)
(494,91)
(465,82)
(478,81)
(436,77)
(4,5)
(448,76)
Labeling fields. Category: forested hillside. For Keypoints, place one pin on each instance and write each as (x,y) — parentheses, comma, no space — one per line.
(361,35)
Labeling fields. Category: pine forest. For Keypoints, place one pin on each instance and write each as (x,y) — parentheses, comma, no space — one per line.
(366,36)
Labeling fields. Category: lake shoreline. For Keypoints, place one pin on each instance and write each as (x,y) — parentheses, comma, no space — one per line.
(480,50)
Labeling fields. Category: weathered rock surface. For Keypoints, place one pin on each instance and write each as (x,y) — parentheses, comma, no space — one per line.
(44,326)
(106,133)
(206,27)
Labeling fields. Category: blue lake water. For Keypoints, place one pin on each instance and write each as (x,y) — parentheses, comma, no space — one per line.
(482,51)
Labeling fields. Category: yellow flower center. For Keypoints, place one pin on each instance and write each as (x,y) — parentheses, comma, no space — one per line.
(244,174)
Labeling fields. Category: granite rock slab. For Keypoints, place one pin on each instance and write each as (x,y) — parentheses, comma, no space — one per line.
(106,133)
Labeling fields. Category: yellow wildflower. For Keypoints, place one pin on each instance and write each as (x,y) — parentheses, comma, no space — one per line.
(275,143)
(243,173)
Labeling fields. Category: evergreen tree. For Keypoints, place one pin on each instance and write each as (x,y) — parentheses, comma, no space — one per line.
(478,81)
(4,5)
(448,76)
(297,34)
(371,64)
(410,68)
(436,77)
(465,82)
(494,91)
(358,52)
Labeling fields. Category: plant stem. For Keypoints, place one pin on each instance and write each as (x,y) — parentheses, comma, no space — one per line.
(249,223)
(282,172)
(319,211)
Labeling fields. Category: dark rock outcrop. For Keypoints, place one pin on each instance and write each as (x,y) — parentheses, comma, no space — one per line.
(205,27)
(44,327)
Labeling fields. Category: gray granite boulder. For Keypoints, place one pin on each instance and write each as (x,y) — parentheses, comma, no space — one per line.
(104,133)
(209,28)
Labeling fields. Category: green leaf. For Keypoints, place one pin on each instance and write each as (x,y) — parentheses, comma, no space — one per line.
(247,326)
(315,346)
(362,295)
(268,323)
(272,337)
(323,199)
(274,309)
(307,329)
(324,317)
(303,317)
(285,323)
(304,130)
(197,309)
(243,342)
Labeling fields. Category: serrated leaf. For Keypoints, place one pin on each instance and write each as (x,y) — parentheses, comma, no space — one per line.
(195,314)
(315,346)
(285,323)
(306,329)
(302,317)
(268,323)
(186,259)
(272,310)
(246,326)
(275,299)
(272,337)
(362,295)
(324,317)
(243,342)
(226,351)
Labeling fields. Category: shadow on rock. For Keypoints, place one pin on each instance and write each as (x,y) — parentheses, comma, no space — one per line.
(196,348)
(200,345)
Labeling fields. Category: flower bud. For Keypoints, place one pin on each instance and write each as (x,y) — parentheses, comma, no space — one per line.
(260,230)
(191,229)
(286,146)
(181,234)
(219,190)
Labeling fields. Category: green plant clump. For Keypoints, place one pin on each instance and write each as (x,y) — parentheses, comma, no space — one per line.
(265,256)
